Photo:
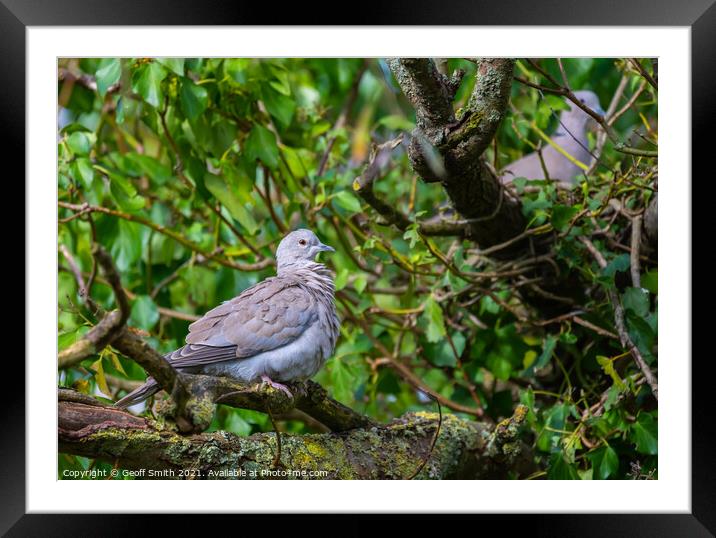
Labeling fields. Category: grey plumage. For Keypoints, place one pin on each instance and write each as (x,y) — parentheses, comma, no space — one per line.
(571,135)
(281,329)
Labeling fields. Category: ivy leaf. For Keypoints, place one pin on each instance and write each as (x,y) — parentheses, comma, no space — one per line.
(341,381)
(645,434)
(360,283)
(261,145)
(279,106)
(347,201)
(433,315)
(607,365)
(237,69)
(79,143)
(561,215)
(395,122)
(221,191)
(157,171)
(66,339)
(547,349)
(561,469)
(341,279)
(100,378)
(144,313)
(636,300)
(650,281)
(125,194)
(235,423)
(605,462)
(147,82)
(127,247)
(83,172)
(108,74)
(173,64)
(618,264)
(194,99)
(411,234)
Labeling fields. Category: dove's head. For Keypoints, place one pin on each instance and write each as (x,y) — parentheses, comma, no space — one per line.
(299,248)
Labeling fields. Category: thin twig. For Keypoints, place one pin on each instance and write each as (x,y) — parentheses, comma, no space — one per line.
(342,117)
(634,254)
(620,323)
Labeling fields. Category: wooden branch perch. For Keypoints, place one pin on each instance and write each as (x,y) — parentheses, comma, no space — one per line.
(463,449)
(447,147)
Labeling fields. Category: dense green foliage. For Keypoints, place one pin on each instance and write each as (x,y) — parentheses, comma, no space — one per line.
(205,163)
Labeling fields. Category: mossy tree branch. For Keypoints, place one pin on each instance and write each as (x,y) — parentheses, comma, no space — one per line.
(463,449)
(447,146)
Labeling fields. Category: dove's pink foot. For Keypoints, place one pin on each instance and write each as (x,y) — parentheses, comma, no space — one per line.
(266,379)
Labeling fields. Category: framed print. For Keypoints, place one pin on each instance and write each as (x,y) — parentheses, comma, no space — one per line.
(339,269)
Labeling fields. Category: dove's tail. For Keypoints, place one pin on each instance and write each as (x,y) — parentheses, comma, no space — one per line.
(139,394)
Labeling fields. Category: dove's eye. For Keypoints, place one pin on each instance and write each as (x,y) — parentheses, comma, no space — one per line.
(302,242)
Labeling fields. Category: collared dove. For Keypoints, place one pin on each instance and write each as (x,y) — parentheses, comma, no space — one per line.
(571,136)
(281,329)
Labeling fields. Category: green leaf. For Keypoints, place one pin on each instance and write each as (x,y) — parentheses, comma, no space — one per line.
(237,69)
(73,128)
(650,281)
(155,170)
(127,246)
(83,172)
(547,349)
(561,469)
(261,145)
(360,283)
(562,215)
(458,340)
(279,82)
(341,279)
(556,103)
(396,122)
(347,200)
(125,194)
(66,339)
(341,381)
(108,75)
(173,64)
(605,462)
(554,418)
(147,82)
(618,264)
(645,434)
(194,99)
(226,196)
(99,377)
(279,106)
(433,315)
(144,313)
(79,143)
(235,423)
(636,300)
(607,365)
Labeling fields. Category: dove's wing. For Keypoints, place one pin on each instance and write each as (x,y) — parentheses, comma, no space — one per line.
(267,316)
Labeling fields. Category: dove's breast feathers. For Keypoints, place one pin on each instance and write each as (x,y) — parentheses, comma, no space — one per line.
(282,329)
(285,327)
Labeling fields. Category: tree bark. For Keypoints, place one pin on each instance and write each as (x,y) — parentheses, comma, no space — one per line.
(446,146)
(405,448)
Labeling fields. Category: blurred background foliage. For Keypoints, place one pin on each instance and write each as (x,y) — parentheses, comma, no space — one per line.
(202,166)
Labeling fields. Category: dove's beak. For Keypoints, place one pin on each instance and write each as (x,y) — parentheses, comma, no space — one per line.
(325,248)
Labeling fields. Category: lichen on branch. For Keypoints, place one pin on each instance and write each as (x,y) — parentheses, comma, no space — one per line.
(463,449)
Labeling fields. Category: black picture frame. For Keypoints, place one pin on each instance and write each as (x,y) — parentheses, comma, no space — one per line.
(699,15)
